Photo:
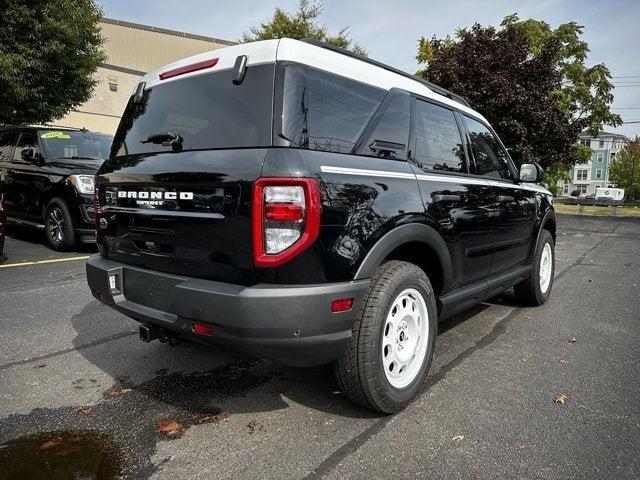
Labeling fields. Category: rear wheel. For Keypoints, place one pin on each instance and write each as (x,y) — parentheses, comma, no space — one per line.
(59,225)
(535,290)
(392,340)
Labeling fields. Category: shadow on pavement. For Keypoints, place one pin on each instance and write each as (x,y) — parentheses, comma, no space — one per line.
(208,379)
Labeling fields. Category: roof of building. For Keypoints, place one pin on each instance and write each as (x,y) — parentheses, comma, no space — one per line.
(166,31)
(604,134)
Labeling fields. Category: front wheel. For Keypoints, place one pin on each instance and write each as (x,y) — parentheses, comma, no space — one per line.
(536,288)
(59,225)
(392,340)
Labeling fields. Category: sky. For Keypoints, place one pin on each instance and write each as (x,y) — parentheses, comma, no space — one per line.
(389,29)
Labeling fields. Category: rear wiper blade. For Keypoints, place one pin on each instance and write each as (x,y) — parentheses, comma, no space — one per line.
(166,139)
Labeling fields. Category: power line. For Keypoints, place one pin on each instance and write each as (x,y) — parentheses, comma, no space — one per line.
(627,76)
(625,108)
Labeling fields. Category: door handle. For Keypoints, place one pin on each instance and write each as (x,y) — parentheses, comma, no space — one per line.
(446,198)
(505,198)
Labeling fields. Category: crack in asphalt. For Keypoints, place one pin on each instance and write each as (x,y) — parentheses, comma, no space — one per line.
(111,338)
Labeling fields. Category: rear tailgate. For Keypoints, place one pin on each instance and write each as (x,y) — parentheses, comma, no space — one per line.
(175,196)
(189,214)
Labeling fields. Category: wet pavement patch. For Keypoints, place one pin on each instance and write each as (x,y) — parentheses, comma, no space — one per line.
(85,454)
(131,419)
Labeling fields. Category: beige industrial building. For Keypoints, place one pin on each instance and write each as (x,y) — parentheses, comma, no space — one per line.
(132,50)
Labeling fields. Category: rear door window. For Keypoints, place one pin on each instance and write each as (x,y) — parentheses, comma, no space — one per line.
(207,112)
(490,157)
(323,111)
(438,144)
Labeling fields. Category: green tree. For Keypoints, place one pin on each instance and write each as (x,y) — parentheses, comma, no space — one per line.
(49,51)
(529,80)
(625,170)
(301,24)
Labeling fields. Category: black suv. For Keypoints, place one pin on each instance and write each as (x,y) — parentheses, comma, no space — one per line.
(308,205)
(46,178)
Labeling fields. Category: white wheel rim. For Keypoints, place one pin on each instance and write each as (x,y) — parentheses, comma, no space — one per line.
(404,338)
(546,267)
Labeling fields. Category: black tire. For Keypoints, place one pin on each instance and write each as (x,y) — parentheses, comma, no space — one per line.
(360,371)
(58,223)
(1,245)
(529,292)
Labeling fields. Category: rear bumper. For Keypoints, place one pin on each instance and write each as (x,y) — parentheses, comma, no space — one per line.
(291,324)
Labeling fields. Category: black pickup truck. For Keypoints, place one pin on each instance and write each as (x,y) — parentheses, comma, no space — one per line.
(296,201)
(46,178)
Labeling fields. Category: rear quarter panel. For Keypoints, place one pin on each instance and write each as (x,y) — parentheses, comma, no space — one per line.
(358,208)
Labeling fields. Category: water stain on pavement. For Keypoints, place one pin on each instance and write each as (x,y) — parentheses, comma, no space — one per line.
(85,454)
(117,437)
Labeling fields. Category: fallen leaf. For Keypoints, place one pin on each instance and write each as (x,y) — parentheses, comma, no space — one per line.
(560,399)
(211,418)
(84,410)
(573,340)
(116,391)
(254,426)
(458,438)
(42,365)
(170,428)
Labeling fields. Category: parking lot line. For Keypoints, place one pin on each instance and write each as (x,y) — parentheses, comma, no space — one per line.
(42,262)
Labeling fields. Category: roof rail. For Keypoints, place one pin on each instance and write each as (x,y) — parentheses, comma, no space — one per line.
(442,91)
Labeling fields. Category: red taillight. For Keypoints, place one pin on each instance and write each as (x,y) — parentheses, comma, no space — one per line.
(194,67)
(341,305)
(202,329)
(283,212)
(285,218)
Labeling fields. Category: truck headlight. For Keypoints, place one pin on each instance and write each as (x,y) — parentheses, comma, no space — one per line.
(83,183)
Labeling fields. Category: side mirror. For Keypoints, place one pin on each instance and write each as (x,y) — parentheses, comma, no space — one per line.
(27,155)
(531,172)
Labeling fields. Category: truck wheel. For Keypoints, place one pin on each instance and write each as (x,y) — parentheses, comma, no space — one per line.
(535,290)
(392,340)
(59,225)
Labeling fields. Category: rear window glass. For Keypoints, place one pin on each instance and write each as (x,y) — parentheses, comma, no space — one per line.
(322,111)
(205,111)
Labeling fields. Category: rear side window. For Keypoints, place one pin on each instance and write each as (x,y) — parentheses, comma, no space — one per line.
(206,111)
(491,158)
(322,111)
(7,141)
(438,144)
(388,134)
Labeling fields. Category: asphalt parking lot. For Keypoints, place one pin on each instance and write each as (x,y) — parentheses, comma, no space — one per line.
(77,387)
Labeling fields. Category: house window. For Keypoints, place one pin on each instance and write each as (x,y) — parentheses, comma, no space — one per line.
(565,188)
(601,143)
(599,173)
(600,157)
(586,141)
(582,189)
(113,83)
(581,175)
